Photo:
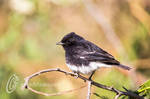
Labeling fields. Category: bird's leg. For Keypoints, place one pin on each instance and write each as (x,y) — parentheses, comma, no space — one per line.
(90,78)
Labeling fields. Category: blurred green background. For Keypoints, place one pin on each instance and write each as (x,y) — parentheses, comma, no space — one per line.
(29,30)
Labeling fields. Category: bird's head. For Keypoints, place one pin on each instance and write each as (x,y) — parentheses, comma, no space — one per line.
(70,39)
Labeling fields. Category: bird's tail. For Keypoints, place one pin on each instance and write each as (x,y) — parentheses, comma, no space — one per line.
(124,67)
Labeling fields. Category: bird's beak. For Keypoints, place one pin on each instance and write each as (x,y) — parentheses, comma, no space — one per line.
(59,43)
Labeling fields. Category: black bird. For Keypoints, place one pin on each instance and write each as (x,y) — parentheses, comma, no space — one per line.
(84,57)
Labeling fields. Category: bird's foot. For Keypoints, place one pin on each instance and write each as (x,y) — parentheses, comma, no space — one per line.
(76,75)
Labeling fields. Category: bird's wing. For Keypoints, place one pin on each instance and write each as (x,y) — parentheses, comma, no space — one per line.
(95,48)
(97,54)
(99,57)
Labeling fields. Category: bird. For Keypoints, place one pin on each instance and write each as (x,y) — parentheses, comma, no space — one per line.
(84,57)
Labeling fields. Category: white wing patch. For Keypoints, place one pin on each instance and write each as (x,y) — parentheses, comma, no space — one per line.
(82,57)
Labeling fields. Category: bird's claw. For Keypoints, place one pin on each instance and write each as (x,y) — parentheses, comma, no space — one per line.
(76,75)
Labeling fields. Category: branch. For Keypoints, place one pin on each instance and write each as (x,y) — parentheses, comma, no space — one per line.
(117,96)
(89,90)
(26,83)
(118,92)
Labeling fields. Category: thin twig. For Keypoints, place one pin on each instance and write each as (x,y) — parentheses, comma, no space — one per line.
(55,94)
(89,90)
(117,96)
(127,93)
(26,84)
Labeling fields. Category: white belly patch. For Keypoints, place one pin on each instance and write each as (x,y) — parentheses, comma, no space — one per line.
(87,69)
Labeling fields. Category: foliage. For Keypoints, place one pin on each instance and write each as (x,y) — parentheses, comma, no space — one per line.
(145,89)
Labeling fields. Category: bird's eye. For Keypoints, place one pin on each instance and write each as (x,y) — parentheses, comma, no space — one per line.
(69,41)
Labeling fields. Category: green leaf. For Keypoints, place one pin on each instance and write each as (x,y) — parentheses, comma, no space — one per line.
(145,87)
